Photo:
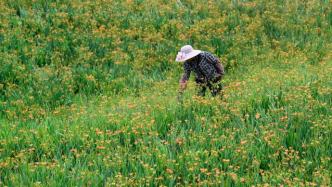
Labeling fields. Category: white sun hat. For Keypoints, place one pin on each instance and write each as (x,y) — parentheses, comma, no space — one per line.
(186,52)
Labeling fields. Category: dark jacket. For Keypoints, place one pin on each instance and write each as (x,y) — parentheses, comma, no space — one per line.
(206,66)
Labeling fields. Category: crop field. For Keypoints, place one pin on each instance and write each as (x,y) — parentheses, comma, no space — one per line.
(88,93)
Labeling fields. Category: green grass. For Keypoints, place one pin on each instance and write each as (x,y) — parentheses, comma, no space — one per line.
(273,126)
(88,94)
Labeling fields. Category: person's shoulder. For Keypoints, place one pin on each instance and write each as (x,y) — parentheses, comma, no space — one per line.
(186,64)
(204,53)
(208,55)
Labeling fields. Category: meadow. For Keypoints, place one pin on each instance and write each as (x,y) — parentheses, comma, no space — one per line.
(88,93)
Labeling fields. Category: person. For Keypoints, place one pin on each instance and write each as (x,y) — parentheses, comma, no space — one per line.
(208,70)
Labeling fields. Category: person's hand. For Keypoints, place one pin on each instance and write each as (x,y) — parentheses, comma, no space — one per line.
(183,86)
(180,97)
(217,77)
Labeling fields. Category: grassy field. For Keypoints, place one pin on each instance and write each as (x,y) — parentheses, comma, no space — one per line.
(88,93)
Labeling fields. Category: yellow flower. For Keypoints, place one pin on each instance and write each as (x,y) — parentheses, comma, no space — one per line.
(90,78)
(169,171)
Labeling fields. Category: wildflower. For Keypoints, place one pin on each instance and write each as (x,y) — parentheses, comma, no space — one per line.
(169,171)
(243,142)
(226,160)
(90,78)
(101,147)
(203,170)
(233,176)
(179,141)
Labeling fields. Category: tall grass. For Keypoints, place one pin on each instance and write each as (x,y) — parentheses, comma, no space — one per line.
(53,50)
(88,90)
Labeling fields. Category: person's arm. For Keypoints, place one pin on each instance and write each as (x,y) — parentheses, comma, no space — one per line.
(219,68)
(183,86)
(185,77)
(216,63)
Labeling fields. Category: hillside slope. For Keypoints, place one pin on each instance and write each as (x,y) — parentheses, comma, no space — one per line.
(88,93)
(272,127)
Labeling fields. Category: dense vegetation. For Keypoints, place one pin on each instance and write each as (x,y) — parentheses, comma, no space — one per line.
(88,88)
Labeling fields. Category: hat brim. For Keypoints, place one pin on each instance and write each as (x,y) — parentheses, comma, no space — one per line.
(189,56)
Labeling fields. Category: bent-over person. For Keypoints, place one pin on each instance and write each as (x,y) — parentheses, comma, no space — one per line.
(208,70)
